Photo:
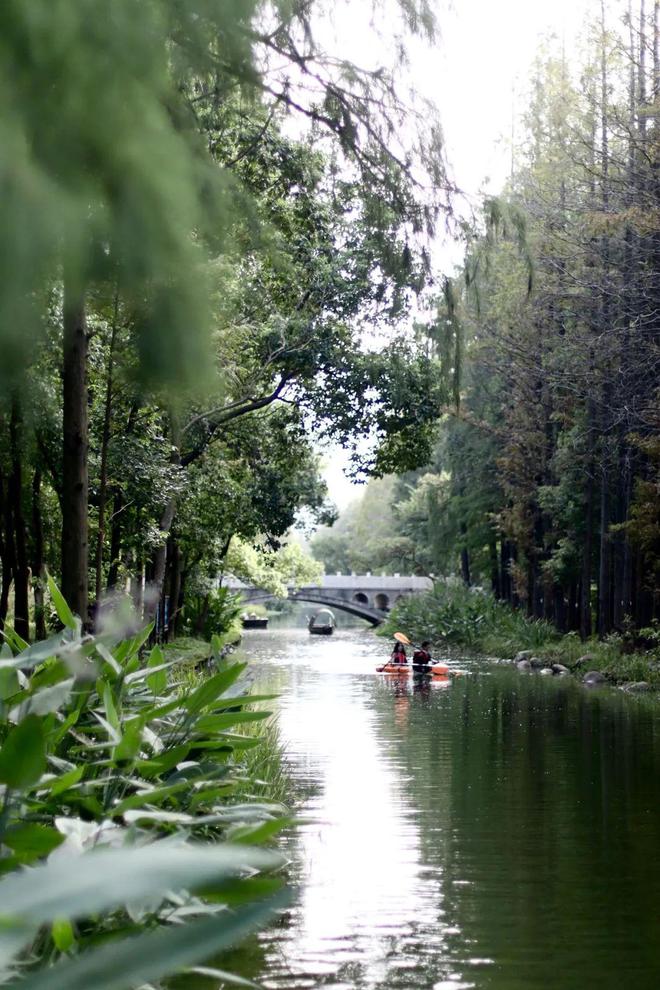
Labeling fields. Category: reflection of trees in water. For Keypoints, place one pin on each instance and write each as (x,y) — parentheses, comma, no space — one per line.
(539,803)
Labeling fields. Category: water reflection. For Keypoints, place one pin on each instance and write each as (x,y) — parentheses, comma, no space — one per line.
(367,902)
(490,832)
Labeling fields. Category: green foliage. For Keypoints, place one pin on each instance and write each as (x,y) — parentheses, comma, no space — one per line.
(81,180)
(216,614)
(124,789)
(467,617)
(366,536)
(272,571)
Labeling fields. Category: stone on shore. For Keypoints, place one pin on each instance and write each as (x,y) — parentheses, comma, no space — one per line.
(636,687)
(594,677)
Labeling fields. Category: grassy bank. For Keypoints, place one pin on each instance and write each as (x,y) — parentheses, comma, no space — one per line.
(263,765)
(472,619)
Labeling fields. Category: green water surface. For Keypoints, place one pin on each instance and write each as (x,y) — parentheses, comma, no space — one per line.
(500,831)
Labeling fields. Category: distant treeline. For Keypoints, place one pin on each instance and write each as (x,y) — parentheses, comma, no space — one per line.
(545,481)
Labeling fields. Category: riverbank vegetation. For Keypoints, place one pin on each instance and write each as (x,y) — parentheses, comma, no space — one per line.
(128,789)
(190,261)
(544,485)
(459,619)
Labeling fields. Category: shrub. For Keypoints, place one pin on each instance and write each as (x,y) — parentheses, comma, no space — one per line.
(470,617)
(116,788)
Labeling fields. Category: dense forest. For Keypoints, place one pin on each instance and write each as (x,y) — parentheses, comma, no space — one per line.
(545,479)
(202,212)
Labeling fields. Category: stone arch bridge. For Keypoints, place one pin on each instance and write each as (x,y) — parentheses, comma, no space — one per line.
(369,596)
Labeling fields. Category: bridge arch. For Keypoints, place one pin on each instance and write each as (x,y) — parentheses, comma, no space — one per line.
(360,598)
(318,597)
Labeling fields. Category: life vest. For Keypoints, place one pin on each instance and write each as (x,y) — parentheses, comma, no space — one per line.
(421,656)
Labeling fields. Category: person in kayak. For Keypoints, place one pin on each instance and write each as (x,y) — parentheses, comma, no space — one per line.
(422,656)
(399,654)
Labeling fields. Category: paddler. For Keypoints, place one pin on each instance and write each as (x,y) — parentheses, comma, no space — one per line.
(399,654)
(422,655)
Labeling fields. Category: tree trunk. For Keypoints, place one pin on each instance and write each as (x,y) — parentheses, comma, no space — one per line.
(494,569)
(585,584)
(465,566)
(176,567)
(165,525)
(75,548)
(115,539)
(21,568)
(105,442)
(38,565)
(605,563)
(7,549)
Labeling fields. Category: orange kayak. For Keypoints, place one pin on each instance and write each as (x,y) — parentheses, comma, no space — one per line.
(437,669)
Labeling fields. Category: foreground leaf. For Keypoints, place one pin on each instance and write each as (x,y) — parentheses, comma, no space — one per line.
(129,963)
(64,613)
(103,880)
(23,754)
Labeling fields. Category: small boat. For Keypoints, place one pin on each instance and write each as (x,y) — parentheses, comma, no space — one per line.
(321,630)
(418,670)
(430,670)
(254,621)
(394,668)
(326,625)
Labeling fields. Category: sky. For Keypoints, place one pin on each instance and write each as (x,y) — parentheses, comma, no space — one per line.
(475,74)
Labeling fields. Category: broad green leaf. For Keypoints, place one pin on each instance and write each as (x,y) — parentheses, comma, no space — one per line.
(64,613)
(105,879)
(160,764)
(39,652)
(17,643)
(231,739)
(64,782)
(129,647)
(32,841)
(256,834)
(113,734)
(23,754)
(158,680)
(155,954)
(210,690)
(109,705)
(107,656)
(218,723)
(129,745)
(152,795)
(56,737)
(62,934)
(144,673)
(50,699)
(243,699)
(212,794)
(8,683)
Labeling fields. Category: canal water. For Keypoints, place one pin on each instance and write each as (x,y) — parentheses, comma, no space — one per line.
(498,831)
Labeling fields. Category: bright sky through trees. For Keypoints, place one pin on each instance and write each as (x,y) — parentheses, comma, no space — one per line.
(477,74)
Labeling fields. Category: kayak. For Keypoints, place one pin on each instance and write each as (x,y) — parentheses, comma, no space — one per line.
(436,669)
